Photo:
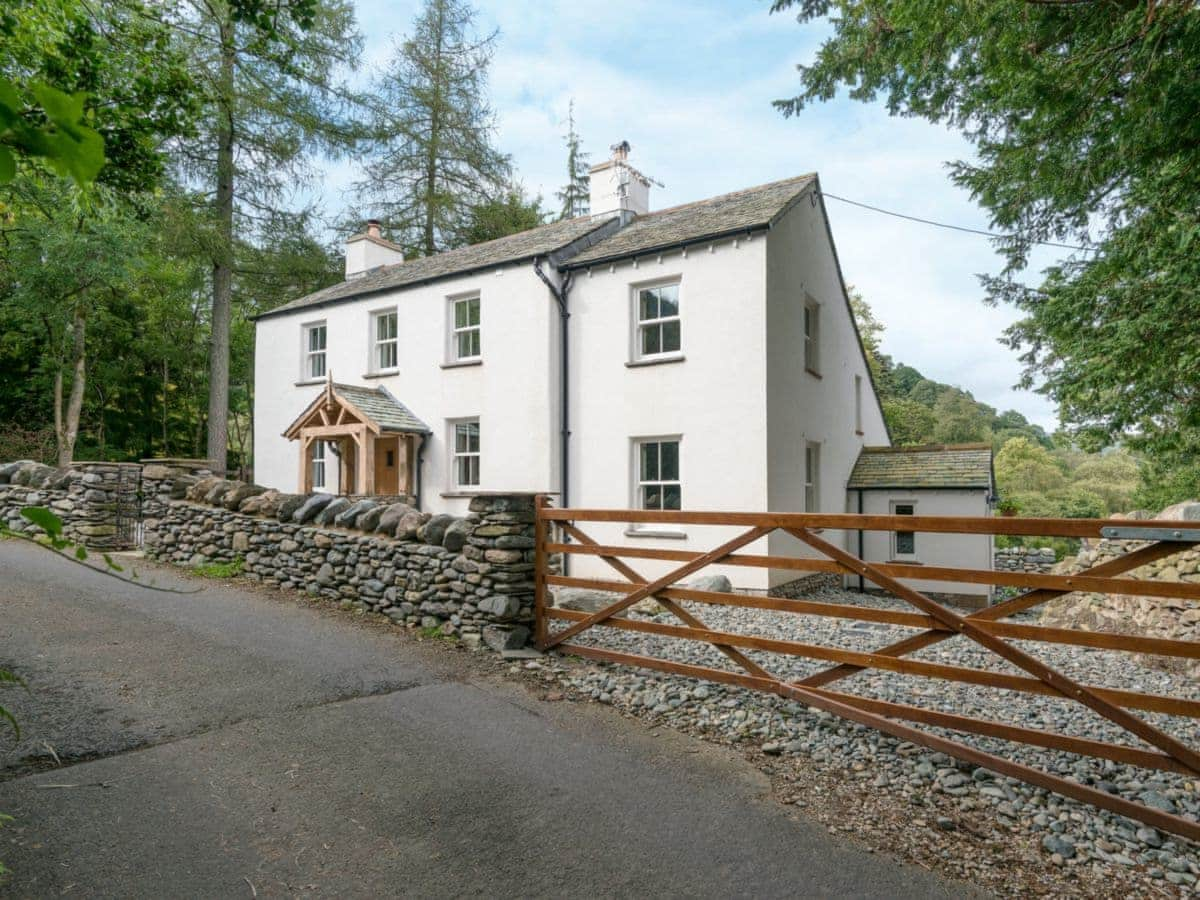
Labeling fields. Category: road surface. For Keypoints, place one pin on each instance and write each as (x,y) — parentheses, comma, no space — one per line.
(236,743)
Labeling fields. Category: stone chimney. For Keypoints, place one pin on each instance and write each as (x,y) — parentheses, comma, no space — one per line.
(617,188)
(370,250)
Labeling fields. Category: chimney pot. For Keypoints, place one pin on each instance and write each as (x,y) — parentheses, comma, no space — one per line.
(617,188)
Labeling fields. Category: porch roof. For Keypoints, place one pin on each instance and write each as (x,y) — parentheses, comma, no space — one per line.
(376,406)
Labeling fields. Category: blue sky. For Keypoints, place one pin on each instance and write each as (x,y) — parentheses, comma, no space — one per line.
(690,85)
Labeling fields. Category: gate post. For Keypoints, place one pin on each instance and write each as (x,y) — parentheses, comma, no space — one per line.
(109,508)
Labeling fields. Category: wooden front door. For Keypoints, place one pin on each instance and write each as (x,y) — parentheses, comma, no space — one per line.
(387,465)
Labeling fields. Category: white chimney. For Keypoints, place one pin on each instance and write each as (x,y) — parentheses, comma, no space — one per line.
(370,250)
(617,188)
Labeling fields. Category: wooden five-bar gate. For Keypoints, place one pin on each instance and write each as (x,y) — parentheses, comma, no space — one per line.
(558,532)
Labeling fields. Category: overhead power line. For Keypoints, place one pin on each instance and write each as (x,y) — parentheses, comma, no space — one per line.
(963,228)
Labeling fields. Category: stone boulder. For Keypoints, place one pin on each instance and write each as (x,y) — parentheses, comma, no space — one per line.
(233,499)
(32,475)
(410,525)
(433,531)
(181,486)
(718,583)
(369,520)
(8,470)
(456,534)
(200,489)
(308,510)
(261,504)
(1187,511)
(288,505)
(347,517)
(390,518)
(155,472)
(218,491)
(332,510)
(505,637)
(584,599)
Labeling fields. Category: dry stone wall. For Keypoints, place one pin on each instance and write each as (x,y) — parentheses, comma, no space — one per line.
(1024,559)
(1131,614)
(96,501)
(470,577)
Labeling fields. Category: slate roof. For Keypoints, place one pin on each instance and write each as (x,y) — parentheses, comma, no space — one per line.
(381,407)
(928,466)
(513,248)
(740,211)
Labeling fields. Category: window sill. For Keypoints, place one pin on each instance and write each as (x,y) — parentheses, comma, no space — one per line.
(648,533)
(459,495)
(905,562)
(655,361)
(813,373)
(307,382)
(462,363)
(386,373)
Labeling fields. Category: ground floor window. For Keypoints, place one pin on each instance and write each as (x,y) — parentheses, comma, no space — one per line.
(904,543)
(658,484)
(318,464)
(465,462)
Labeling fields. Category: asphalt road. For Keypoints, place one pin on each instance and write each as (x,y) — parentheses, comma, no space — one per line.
(233,743)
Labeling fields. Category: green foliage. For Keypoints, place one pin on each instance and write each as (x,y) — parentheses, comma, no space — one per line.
(575,195)
(432,160)
(908,421)
(60,139)
(1022,466)
(230,569)
(1083,120)
(507,214)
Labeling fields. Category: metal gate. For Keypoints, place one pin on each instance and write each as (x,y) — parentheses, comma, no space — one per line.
(933,622)
(127,506)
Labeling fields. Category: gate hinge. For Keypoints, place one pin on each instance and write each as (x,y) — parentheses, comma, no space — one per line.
(1133,533)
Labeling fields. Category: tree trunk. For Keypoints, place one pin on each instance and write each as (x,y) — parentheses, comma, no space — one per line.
(222,286)
(433,147)
(67,424)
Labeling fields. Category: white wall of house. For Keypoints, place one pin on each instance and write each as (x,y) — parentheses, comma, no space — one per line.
(963,551)
(713,396)
(512,391)
(807,403)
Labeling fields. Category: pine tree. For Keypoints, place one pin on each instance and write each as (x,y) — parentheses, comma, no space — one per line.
(575,195)
(433,161)
(271,99)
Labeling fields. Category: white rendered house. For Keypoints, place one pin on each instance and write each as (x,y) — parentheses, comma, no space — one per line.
(702,356)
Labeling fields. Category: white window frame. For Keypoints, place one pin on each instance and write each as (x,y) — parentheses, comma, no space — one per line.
(895,511)
(308,355)
(812,336)
(378,344)
(639,324)
(638,481)
(454,330)
(317,464)
(812,477)
(458,455)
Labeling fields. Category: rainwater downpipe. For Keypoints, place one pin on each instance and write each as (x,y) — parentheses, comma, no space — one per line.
(417,486)
(560,292)
(860,540)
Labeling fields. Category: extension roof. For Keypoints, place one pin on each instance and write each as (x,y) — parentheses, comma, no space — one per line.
(540,241)
(928,466)
(746,210)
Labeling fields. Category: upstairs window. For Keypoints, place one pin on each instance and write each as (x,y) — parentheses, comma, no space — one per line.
(465,342)
(657,332)
(465,462)
(385,344)
(658,485)
(314,351)
(904,543)
(812,336)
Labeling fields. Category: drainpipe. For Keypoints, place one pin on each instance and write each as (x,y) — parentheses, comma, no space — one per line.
(560,292)
(860,540)
(417,480)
